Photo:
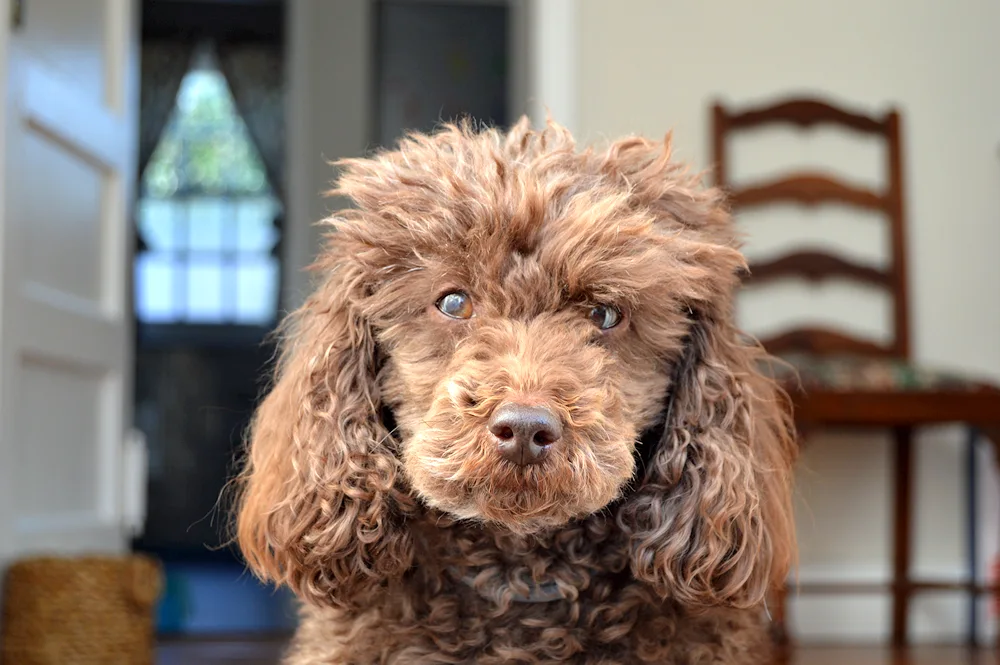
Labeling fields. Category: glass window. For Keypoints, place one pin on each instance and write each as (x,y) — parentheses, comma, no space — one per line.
(206,216)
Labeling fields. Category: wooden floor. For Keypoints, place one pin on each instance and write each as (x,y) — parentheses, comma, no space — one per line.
(269,652)
(915,656)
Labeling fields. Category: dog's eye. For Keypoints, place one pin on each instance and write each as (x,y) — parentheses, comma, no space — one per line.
(456,304)
(605,317)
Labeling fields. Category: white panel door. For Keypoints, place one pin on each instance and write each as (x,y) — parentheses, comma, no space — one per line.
(65,310)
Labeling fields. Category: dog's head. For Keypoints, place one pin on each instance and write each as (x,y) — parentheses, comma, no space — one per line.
(499,320)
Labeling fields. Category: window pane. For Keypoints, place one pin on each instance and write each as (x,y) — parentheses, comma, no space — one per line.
(256,224)
(155,276)
(206,146)
(207,206)
(256,290)
(158,219)
(204,287)
(206,221)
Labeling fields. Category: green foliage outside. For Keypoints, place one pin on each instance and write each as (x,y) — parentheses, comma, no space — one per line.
(205,148)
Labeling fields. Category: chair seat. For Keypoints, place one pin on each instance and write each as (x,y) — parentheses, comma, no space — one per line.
(846,373)
(856,390)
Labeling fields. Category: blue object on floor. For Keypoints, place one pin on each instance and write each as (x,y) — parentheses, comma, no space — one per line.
(221,599)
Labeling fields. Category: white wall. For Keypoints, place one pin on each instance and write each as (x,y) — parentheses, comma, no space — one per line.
(646,66)
(328,117)
(551,53)
(7,551)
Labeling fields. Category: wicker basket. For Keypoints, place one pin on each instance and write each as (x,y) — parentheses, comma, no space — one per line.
(80,611)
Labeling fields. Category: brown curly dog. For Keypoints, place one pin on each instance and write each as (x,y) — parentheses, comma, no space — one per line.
(516,423)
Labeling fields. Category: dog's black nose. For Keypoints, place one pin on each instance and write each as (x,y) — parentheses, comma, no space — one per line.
(524,433)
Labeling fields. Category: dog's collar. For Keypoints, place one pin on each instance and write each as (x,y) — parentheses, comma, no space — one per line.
(544,592)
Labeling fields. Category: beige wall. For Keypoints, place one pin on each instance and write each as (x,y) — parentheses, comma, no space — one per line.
(646,66)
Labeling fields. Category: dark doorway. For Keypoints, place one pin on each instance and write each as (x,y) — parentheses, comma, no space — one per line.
(207,282)
(438,61)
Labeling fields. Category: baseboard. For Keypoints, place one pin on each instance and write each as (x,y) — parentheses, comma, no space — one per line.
(840,618)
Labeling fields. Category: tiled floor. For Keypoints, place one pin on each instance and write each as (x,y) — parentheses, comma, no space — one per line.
(269,653)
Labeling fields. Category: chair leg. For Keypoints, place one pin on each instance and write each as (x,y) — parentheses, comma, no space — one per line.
(903,513)
(777,600)
(972,535)
(992,436)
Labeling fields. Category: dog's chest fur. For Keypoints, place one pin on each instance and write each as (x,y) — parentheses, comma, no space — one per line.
(463,603)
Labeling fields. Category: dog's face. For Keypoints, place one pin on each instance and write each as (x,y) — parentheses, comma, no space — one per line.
(524,347)
(526,313)
(521,310)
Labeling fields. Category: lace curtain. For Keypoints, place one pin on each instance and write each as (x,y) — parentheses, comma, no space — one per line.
(256,77)
(254,72)
(164,64)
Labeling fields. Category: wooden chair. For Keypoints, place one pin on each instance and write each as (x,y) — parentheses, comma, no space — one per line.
(846,381)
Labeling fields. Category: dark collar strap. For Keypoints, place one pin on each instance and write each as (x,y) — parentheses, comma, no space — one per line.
(543,592)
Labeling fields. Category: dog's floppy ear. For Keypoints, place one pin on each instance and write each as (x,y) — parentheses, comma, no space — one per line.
(319,507)
(711,520)
(712,523)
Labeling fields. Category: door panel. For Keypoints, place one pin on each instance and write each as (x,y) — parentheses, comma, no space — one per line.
(65,230)
(65,315)
(43,459)
(70,39)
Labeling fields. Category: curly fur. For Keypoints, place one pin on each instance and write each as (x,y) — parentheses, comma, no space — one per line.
(378,532)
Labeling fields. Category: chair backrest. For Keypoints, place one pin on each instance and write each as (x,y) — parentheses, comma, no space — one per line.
(812,189)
